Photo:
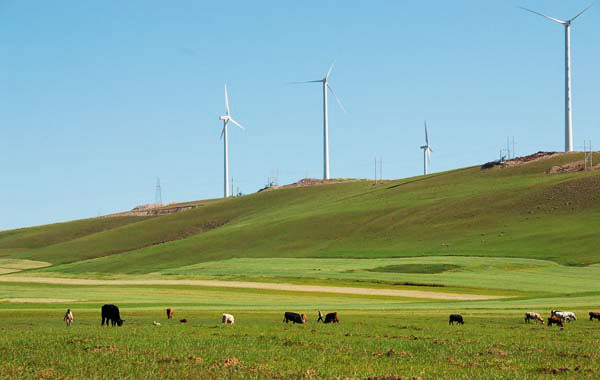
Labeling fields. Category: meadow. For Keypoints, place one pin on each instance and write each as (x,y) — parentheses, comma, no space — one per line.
(35,344)
(511,239)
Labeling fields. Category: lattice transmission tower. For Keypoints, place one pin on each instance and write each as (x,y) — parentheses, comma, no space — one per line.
(158,195)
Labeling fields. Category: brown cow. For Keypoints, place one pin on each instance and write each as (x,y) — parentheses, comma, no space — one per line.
(594,315)
(170,313)
(552,320)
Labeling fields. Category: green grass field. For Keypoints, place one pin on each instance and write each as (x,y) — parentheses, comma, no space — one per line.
(389,345)
(513,212)
(517,233)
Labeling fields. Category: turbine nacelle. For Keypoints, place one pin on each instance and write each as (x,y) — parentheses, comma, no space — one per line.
(224,118)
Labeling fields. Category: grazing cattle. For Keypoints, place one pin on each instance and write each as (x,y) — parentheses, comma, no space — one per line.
(332,318)
(535,316)
(456,318)
(294,317)
(111,313)
(553,320)
(228,318)
(183,320)
(564,315)
(170,313)
(156,323)
(594,314)
(69,317)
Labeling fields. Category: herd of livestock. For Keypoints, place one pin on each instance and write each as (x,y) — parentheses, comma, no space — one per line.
(111,313)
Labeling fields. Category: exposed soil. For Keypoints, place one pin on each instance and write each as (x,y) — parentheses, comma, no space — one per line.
(518,161)
(576,166)
(151,210)
(312,182)
(257,285)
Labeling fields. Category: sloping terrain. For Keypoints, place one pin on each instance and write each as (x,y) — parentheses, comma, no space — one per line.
(519,211)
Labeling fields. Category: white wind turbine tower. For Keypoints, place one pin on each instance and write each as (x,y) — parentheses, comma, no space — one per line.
(226,119)
(426,153)
(326,86)
(568,105)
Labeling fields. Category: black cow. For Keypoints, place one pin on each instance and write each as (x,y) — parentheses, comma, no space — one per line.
(111,313)
(329,318)
(456,318)
(294,317)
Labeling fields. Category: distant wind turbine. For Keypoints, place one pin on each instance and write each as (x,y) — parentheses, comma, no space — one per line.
(426,153)
(226,119)
(568,105)
(326,86)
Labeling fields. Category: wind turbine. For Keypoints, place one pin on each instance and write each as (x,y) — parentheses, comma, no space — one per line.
(226,119)
(568,105)
(326,86)
(426,153)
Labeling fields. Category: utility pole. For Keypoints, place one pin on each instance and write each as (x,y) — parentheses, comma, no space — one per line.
(158,193)
(380,162)
(376,170)
(513,146)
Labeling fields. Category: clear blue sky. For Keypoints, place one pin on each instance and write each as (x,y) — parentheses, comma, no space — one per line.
(98,99)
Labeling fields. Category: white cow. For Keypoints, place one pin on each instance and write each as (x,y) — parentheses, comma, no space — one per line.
(535,316)
(68,317)
(228,318)
(564,315)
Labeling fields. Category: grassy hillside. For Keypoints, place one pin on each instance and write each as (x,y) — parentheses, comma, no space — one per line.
(519,212)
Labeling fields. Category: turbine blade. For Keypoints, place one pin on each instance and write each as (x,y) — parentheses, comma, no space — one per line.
(236,123)
(330,69)
(308,81)
(336,98)
(426,136)
(582,12)
(226,101)
(223,131)
(543,15)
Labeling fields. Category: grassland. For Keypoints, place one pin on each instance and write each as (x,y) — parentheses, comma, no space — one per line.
(513,212)
(516,233)
(364,345)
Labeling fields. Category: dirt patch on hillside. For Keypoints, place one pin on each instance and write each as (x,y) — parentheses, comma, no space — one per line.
(576,166)
(259,285)
(153,210)
(518,161)
(312,182)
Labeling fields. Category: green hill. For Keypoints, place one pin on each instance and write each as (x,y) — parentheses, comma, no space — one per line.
(518,212)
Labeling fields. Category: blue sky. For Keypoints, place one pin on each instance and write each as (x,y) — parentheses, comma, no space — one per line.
(98,99)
